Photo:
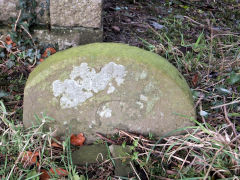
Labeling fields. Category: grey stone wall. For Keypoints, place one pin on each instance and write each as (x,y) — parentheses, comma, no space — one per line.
(67,22)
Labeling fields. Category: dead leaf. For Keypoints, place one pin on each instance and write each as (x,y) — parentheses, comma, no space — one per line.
(44,175)
(77,140)
(48,51)
(8,40)
(59,171)
(195,79)
(29,157)
(56,145)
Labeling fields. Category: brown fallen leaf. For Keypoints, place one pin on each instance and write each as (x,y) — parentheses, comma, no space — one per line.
(56,145)
(8,40)
(29,157)
(77,140)
(58,171)
(54,171)
(48,51)
(44,175)
(195,79)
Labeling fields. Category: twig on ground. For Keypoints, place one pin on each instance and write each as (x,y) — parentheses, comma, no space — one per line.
(210,28)
(135,171)
(226,104)
(106,139)
(228,120)
(15,26)
(28,34)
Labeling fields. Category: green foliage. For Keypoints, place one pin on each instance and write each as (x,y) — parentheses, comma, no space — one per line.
(234,78)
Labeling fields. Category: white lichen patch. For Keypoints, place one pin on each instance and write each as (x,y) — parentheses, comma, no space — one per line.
(111,88)
(140,104)
(105,112)
(84,82)
(161,114)
(143,98)
(143,75)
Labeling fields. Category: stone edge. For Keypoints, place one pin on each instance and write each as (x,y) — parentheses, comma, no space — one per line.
(131,52)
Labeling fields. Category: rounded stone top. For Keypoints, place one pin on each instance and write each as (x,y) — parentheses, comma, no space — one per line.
(114,51)
(103,86)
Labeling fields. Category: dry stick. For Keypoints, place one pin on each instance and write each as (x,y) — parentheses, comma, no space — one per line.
(210,55)
(215,156)
(209,28)
(199,100)
(223,57)
(143,170)
(227,104)
(185,159)
(132,136)
(216,171)
(135,171)
(214,84)
(148,149)
(228,120)
(106,139)
(180,159)
(28,34)
(15,26)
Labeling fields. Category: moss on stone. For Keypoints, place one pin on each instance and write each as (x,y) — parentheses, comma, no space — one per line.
(107,50)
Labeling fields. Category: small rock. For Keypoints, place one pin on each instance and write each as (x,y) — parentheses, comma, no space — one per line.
(156,25)
(122,163)
(116,28)
(90,154)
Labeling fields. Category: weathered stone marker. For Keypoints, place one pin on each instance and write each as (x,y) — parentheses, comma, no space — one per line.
(103,86)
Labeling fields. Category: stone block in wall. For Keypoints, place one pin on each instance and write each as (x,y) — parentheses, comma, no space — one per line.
(7,9)
(10,8)
(4,32)
(68,13)
(43,12)
(66,38)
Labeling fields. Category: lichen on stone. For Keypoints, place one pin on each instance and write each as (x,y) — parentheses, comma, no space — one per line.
(85,81)
(105,112)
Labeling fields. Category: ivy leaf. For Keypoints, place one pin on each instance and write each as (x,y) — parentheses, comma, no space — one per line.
(2,55)
(30,53)
(3,94)
(12,57)
(233,79)
(10,63)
